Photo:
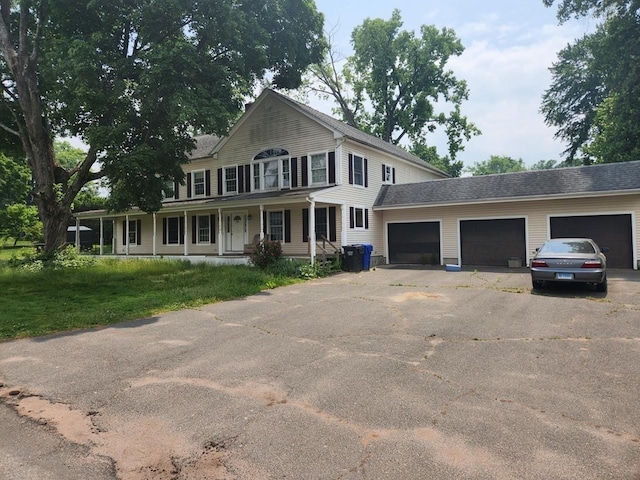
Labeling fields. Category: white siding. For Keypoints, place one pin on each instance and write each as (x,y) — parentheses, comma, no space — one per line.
(536,214)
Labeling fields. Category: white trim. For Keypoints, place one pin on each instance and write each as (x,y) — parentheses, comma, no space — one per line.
(204,183)
(326,168)
(560,196)
(364,220)
(364,173)
(386,235)
(603,213)
(224,180)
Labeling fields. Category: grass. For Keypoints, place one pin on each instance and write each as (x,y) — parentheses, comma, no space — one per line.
(48,301)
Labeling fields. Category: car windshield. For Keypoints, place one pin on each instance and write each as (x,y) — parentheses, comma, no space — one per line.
(570,246)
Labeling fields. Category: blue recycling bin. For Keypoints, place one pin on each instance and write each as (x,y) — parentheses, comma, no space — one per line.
(366,256)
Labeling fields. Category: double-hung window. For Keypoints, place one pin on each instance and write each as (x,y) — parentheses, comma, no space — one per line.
(173,231)
(133,232)
(358,170)
(276,225)
(388,174)
(318,168)
(271,169)
(204,229)
(230,180)
(198,183)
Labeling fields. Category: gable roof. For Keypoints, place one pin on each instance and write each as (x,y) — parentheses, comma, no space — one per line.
(204,145)
(340,128)
(606,178)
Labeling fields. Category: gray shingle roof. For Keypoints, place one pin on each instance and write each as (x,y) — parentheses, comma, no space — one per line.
(204,146)
(358,135)
(610,177)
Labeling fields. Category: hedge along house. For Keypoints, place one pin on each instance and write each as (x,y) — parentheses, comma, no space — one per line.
(285,172)
(488,220)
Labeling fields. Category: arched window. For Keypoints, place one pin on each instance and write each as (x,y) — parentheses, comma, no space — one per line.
(272,169)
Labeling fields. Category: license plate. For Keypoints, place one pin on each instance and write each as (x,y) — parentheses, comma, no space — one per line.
(564,276)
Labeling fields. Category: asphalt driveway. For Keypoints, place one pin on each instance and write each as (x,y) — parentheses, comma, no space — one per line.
(393,373)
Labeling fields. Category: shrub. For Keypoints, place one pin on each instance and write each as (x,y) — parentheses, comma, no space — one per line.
(67,257)
(267,253)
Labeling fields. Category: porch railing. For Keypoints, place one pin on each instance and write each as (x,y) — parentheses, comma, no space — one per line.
(324,247)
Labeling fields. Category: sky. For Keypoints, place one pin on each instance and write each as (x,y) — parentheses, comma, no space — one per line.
(509,47)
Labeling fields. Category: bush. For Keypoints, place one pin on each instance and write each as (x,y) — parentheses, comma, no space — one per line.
(266,254)
(67,257)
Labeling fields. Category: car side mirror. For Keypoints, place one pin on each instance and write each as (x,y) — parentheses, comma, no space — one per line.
(604,249)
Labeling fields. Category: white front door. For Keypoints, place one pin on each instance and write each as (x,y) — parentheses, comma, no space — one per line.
(235,228)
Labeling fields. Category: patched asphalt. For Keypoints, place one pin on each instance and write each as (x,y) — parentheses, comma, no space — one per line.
(394,373)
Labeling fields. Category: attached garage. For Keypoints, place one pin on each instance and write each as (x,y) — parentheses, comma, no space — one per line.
(492,242)
(612,231)
(414,242)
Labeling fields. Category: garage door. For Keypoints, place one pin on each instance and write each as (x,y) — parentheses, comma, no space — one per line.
(492,242)
(415,242)
(613,231)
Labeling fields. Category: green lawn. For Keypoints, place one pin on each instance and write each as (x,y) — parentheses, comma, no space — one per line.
(38,303)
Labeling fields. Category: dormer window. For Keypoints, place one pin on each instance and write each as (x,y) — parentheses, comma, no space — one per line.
(271,169)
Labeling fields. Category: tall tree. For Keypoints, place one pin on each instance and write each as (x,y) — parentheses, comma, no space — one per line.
(497,164)
(392,84)
(133,79)
(594,98)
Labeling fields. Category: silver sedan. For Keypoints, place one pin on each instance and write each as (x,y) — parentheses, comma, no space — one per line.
(570,260)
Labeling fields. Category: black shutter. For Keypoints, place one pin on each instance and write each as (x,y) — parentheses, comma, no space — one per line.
(287,226)
(305,224)
(247,178)
(384,170)
(181,231)
(164,231)
(264,224)
(305,171)
(188,185)
(219,181)
(240,174)
(332,224)
(332,167)
(294,172)
(207,179)
(366,218)
(393,172)
(352,219)
(194,228)
(176,190)
(212,227)
(366,173)
(124,232)
(350,169)
(139,231)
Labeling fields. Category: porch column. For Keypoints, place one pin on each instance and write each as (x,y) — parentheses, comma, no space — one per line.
(113,236)
(312,229)
(126,233)
(154,234)
(77,234)
(220,232)
(186,234)
(101,236)
(261,222)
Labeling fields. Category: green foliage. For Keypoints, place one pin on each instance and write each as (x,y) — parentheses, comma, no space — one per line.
(66,258)
(594,97)
(20,221)
(497,164)
(111,291)
(266,254)
(430,155)
(14,180)
(394,81)
(546,165)
(134,80)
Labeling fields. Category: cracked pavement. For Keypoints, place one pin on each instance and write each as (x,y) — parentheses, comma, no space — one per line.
(394,373)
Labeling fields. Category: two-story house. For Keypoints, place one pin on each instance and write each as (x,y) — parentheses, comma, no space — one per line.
(290,173)
(285,172)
